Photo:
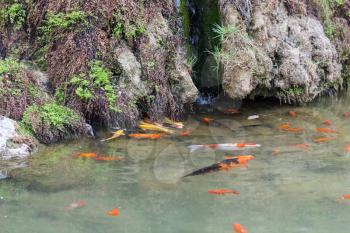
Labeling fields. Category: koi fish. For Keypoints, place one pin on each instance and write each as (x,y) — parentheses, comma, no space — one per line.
(224,147)
(242,159)
(238,228)
(302,146)
(76,205)
(178,125)
(145,136)
(276,151)
(108,158)
(327,122)
(231,111)
(113,213)
(325,130)
(185,133)
(226,164)
(347,148)
(154,127)
(292,113)
(318,140)
(116,134)
(346,114)
(222,191)
(207,120)
(286,127)
(346,196)
(87,155)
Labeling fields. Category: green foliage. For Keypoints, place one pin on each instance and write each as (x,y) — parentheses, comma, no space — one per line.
(223,32)
(62,21)
(14,14)
(292,92)
(98,77)
(10,66)
(123,30)
(51,114)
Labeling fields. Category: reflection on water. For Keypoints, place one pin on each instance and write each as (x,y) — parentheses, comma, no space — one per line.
(287,188)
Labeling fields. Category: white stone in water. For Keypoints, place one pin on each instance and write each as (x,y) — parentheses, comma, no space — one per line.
(254,117)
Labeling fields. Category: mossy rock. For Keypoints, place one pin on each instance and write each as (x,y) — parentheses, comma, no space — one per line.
(51,122)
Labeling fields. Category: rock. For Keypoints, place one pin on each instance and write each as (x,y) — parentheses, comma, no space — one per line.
(279,55)
(12,143)
(131,73)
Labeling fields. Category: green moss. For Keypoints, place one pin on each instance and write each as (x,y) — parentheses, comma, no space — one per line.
(63,22)
(51,114)
(14,14)
(10,66)
(127,31)
(185,15)
(98,78)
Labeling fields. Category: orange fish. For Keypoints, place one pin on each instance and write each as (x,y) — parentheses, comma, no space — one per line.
(286,127)
(222,191)
(318,140)
(242,159)
(145,136)
(276,151)
(238,228)
(87,155)
(325,130)
(207,120)
(347,148)
(291,113)
(232,111)
(113,213)
(76,205)
(185,133)
(303,146)
(107,158)
(346,114)
(327,122)
(346,196)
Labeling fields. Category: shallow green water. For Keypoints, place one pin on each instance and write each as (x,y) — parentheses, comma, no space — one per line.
(295,191)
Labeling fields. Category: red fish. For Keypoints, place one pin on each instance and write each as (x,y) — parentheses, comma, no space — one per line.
(318,140)
(303,146)
(107,158)
(327,122)
(292,113)
(226,164)
(231,111)
(87,155)
(76,205)
(346,196)
(325,130)
(145,136)
(207,120)
(185,133)
(113,213)
(346,114)
(222,191)
(238,228)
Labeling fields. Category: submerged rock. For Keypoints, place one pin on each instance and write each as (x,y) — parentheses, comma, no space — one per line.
(13,144)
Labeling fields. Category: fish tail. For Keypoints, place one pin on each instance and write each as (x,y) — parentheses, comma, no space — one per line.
(194,148)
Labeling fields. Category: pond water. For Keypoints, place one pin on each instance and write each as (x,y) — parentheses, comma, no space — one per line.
(284,189)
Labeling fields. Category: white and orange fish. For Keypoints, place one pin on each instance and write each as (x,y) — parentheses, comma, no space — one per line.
(224,147)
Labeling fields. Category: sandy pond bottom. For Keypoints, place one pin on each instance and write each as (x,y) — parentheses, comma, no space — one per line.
(296,190)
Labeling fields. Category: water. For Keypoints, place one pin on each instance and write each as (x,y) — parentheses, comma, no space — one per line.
(295,191)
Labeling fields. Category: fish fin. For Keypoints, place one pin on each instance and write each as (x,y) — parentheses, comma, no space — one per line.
(194,148)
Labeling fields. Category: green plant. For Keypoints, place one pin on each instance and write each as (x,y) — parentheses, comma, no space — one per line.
(62,21)
(10,66)
(14,14)
(222,32)
(51,114)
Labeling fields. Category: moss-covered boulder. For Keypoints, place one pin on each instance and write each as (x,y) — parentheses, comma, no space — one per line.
(52,122)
